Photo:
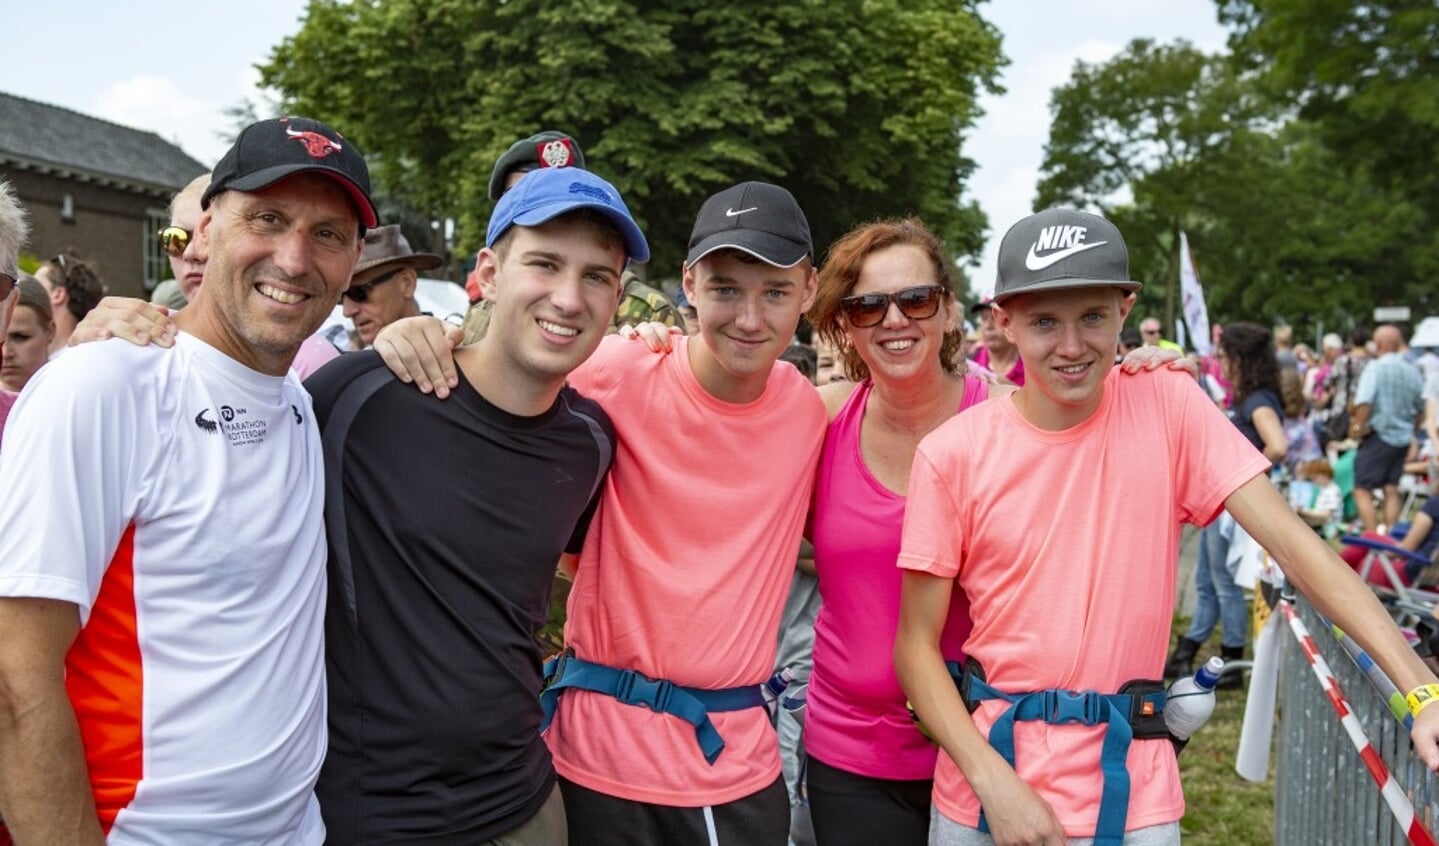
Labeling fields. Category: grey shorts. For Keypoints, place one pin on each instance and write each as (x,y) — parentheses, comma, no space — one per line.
(546,828)
(944,831)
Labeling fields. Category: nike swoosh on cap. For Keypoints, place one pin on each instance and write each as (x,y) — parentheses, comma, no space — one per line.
(1034,262)
(733,213)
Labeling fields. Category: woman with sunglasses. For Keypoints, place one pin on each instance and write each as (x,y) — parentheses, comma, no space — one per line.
(886,302)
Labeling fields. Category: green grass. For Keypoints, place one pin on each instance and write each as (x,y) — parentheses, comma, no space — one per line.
(1221,807)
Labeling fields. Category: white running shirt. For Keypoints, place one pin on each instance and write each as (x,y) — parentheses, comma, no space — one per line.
(176,497)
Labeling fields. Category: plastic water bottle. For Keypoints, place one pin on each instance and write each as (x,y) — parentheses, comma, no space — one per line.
(1190,700)
(773,687)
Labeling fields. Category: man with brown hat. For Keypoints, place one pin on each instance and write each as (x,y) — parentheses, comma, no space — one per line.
(383,287)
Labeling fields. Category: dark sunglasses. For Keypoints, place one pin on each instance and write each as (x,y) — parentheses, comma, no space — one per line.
(360,293)
(174,240)
(8,284)
(866,310)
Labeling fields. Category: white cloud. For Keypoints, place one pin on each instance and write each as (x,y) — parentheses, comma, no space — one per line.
(157,104)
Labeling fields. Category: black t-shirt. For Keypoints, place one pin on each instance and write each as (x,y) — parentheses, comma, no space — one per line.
(1243,414)
(445,520)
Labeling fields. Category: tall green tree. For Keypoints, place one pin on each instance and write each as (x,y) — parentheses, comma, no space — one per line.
(1163,137)
(857,106)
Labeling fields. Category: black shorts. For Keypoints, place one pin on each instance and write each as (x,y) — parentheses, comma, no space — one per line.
(598,819)
(855,810)
(1377,464)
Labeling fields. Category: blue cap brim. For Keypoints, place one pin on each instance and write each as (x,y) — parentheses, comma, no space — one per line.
(636,247)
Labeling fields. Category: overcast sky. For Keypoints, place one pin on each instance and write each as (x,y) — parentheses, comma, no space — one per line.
(174,70)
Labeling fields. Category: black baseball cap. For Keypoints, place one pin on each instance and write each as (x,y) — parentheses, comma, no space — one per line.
(1059,249)
(758,218)
(550,148)
(271,150)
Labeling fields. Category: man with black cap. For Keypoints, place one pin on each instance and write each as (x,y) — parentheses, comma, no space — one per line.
(638,302)
(659,732)
(382,289)
(1072,604)
(161,628)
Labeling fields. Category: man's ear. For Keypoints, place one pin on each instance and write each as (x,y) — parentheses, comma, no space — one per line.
(487,273)
(687,283)
(202,232)
(1126,305)
(1002,321)
(811,288)
(409,281)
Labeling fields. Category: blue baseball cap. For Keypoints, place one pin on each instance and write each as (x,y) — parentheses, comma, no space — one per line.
(550,192)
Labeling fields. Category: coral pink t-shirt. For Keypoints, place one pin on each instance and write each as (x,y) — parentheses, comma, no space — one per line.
(1066,544)
(685,570)
(856,719)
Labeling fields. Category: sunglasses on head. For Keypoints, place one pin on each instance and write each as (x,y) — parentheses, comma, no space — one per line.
(360,293)
(174,240)
(865,310)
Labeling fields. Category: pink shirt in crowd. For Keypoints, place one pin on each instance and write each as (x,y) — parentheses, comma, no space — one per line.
(684,572)
(314,353)
(856,719)
(7,400)
(1015,374)
(1066,544)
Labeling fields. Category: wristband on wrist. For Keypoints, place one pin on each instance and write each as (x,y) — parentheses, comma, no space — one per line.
(1421,697)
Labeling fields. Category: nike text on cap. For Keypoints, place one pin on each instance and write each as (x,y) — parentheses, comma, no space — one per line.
(271,150)
(548,193)
(1059,249)
(761,219)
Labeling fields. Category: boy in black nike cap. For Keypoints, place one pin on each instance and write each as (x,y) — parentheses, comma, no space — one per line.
(1072,606)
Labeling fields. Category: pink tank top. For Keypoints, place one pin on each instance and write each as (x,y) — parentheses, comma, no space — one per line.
(856,719)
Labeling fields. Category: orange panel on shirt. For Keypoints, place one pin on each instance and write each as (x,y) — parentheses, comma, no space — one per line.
(106,685)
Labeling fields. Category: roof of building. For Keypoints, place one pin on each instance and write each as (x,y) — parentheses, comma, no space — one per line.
(34,134)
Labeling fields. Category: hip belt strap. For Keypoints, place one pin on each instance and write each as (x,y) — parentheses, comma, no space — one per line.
(1126,716)
(691,704)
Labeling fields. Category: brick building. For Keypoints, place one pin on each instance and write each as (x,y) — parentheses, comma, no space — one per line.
(93,186)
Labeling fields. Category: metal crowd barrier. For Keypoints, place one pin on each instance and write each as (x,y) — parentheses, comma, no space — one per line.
(1325,793)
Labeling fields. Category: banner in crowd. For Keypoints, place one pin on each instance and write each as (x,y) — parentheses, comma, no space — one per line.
(1196,314)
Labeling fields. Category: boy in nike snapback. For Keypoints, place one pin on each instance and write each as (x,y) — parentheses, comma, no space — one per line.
(1055,728)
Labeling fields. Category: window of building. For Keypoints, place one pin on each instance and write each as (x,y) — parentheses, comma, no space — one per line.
(157,264)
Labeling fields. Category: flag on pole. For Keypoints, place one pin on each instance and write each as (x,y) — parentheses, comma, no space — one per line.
(1196,313)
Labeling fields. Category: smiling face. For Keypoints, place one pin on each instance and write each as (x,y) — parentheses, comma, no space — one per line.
(900,348)
(748,311)
(1067,340)
(554,288)
(277,261)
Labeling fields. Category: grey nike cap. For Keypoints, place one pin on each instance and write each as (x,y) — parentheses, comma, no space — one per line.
(1058,249)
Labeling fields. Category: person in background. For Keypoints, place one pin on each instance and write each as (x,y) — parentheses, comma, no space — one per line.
(74,289)
(383,287)
(178,238)
(1303,442)
(1151,330)
(1388,406)
(1323,504)
(27,345)
(14,229)
(995,352)
(1247,357)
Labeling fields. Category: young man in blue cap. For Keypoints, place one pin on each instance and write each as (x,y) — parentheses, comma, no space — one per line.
(439,584)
